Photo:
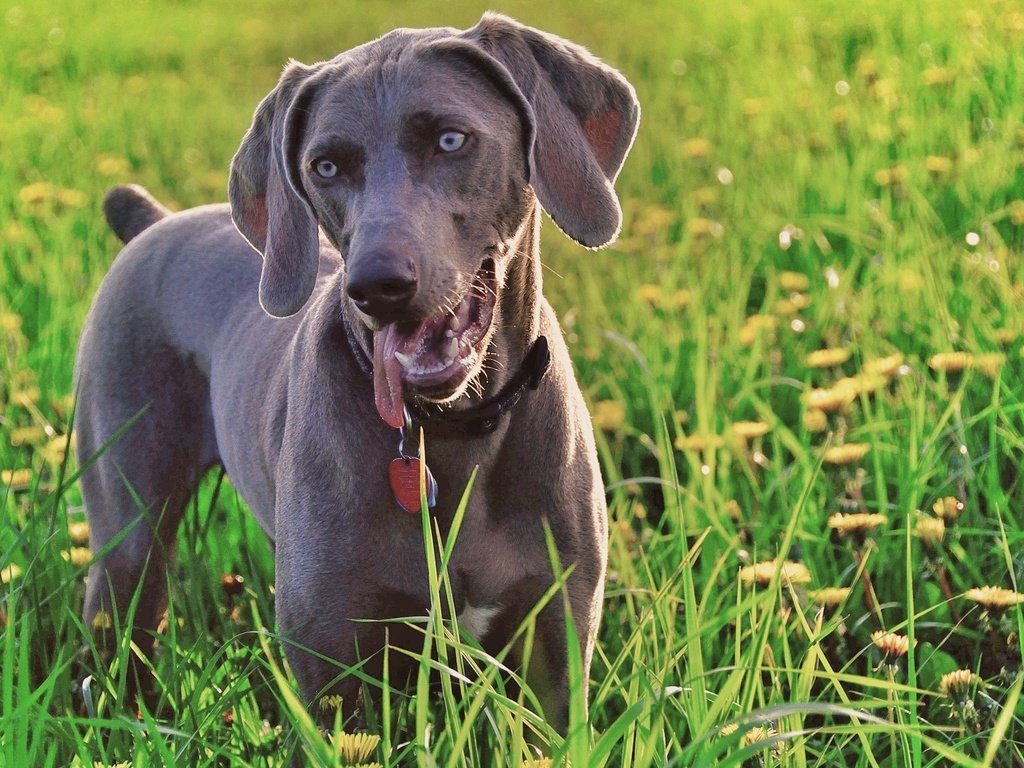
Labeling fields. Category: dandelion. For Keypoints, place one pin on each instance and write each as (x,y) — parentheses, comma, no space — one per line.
(887,366)
(609,415)
(330,703)
(887,177)
(9,573)
(355,747)
(27,435)
(930,530)
(16,479)
(648,294)
(950,362)
(27,397)
(829,597)
(55,450)
(855,524)
(1004,336)
(77,556)
(749,430)
(938,166)
(849,453)
(680,299)
(990,363)
(732,509)
(994,598)
(697,148)
(540,762)
(698,443)
(762,573)
(754,326)
(758,734)
(1016,211)
(827,358)
(829,400)
(703,227)
(111,166)
(958,684)
(938,76)
(102,620)
(815,420)
(948,508)
(78,532)
(891,644)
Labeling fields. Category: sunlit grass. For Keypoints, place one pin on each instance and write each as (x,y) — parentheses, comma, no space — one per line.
(802,359)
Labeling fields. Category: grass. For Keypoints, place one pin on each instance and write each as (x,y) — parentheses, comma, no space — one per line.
(808,176)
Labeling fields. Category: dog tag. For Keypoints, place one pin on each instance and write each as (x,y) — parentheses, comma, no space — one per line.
(404,475)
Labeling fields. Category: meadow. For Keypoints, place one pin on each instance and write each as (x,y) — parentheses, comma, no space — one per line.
(801,358)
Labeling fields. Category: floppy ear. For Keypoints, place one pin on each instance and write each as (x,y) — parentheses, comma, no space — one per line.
(268,205)
(586,116)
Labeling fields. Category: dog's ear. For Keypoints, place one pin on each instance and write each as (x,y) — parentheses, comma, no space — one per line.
(268,204)
(586,116)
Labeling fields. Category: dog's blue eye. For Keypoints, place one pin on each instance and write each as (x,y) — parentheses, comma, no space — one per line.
(451,141)
(325,169)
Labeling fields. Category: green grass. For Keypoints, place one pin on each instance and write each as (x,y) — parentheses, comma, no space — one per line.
(875,148)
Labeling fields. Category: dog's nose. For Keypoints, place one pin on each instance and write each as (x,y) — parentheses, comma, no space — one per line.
(382,285)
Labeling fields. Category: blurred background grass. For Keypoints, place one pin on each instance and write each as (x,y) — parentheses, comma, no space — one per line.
(807,175)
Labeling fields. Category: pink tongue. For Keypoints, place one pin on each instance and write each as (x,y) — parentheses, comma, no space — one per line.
(387,381)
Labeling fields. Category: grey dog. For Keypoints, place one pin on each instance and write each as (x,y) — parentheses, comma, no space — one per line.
(394,195)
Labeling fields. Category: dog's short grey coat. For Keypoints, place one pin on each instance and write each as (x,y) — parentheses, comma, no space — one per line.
(177,340)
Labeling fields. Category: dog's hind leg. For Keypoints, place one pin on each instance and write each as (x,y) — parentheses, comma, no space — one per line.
(144,438)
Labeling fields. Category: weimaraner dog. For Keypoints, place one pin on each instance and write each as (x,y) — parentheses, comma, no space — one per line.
(385,212)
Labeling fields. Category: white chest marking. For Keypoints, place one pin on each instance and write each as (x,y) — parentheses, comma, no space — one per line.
(476,619)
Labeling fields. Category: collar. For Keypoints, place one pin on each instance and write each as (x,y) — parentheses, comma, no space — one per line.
(483,418)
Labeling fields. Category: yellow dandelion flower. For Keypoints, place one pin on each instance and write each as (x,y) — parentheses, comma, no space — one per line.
(887,366)
(862,384)
(700,226)
(1016,211)
(705,196)
(10,323)
(72,198)
(989,363)
(1004,336)
(102,620)
(858,523)
(111,166)
(680,299)
(697,148)
(763,572)
(355,747)
(9,573)
(538,762)
(938,166)
(958,684)
(994,598)
(77,556)
(16,478)
(886,177)
(78,532)
(654,219)
(27,397)
(829,400)
(754,326)
(27,435)
(891,643)
(848,453)
(732,509)
(609,415)
(928,529)
(840,115)
(55,450)
(815,420)
(829,597)
(648,293)
(748,430)
(973,19)
(827,358)
(699,442)
(948,508)
(752,107)
(785,308)
(330,703)
(758,734)
(938,76)
(1014,22)
(951,362)
(36,193)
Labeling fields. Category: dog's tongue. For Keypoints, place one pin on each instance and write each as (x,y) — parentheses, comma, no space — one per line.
(387,381)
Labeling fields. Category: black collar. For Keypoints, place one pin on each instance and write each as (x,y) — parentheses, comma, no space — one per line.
(481,419)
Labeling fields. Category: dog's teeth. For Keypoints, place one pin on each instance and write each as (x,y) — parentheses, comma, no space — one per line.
(404,360)
(454,323)
(452,348)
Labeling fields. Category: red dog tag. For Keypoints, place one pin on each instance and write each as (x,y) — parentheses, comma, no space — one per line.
(404,475)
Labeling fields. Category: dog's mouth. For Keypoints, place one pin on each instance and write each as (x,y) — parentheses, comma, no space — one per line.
(438,357)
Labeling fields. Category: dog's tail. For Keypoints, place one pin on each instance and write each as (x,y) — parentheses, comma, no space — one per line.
(130,209)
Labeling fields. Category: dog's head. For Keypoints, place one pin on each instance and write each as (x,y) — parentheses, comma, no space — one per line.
(416,155)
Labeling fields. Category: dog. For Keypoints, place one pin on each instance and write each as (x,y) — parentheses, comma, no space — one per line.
(376,274)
